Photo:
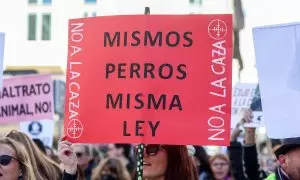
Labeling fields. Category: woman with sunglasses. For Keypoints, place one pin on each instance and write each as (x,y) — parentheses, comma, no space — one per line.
(44,168)
(14,161)
(161,162)
(168,162)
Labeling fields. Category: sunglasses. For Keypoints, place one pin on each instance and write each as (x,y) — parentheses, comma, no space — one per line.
(6,159)
(151,150)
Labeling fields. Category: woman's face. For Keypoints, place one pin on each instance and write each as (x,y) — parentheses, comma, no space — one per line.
(220,168)
(9,167)
(155,164)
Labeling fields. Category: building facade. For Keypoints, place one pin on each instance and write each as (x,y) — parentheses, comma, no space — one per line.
(37,30)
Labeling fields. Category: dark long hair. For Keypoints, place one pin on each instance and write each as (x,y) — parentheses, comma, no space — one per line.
(180,165)
(203,158)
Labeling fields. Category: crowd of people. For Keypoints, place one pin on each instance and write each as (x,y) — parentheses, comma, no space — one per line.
(23,158)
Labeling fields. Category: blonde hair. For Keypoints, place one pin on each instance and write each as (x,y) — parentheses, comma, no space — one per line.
(112,163)
(219,156)
(22,156)
(44,168)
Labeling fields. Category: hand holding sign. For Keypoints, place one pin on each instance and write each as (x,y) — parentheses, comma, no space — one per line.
(248,118)
(235,133)
(67,156)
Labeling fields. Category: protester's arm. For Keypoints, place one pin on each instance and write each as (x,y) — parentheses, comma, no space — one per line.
(68,158)
(236,155)
(250,155)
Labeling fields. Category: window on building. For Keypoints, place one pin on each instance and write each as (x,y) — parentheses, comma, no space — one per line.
(85,14)
(46,27)
(196,1)
(47,2)
(32,27)
(90,1)
(32,1)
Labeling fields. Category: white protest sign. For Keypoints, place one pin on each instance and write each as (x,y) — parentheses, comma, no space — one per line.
(42,129)
(2,37)
(242,95)
(277,51)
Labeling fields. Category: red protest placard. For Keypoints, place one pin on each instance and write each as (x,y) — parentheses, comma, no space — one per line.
(155,79)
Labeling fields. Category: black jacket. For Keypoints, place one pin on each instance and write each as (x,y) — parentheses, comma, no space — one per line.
(235,153)
(244,162)
(67,176)
(251,163)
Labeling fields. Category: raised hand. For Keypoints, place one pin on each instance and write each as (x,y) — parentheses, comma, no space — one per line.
(67,156)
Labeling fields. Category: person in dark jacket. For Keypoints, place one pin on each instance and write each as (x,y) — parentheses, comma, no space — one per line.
(245,157)
(235,153)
